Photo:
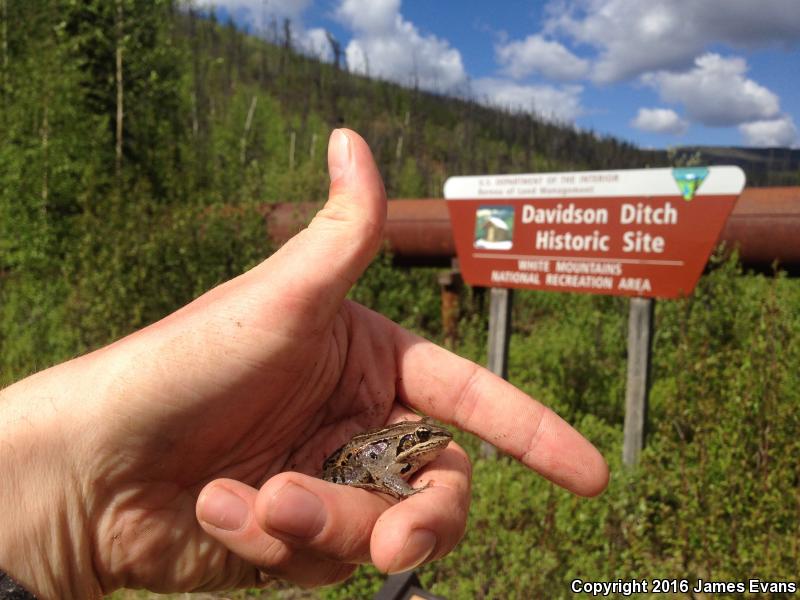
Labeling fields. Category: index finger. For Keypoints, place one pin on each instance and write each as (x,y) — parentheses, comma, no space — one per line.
(456,390)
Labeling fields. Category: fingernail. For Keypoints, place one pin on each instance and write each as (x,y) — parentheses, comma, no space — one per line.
(297,512)
(338,154)
(420,545)
(224,509)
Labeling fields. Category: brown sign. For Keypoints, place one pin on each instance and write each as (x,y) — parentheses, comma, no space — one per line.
(643,232)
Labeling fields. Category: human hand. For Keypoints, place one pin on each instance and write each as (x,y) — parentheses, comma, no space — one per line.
(182,456)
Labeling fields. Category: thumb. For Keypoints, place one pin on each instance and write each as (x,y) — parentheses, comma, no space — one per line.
(322,262)
(348,230)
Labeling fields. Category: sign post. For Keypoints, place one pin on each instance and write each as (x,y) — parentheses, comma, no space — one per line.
(644,233)
(501,301)
(637,386)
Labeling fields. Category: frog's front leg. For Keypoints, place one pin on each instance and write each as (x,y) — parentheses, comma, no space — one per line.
(399,487)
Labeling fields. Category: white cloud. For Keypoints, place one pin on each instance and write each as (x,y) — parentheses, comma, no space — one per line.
(369,16)
(716,92)
(660,120)
(555,103)
(633,36)
(535,54)
(260,15)
(386,45)
(773,132)
(315,43)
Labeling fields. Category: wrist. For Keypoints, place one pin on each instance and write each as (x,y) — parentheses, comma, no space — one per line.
(44,542)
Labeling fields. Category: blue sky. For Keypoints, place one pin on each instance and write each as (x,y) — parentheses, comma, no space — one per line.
(657,73)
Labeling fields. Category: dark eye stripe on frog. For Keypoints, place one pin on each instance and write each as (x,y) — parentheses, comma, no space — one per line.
(406,442)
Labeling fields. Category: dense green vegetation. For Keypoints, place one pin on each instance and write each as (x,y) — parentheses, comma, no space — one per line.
(137,143)
(717,494)
(138,140)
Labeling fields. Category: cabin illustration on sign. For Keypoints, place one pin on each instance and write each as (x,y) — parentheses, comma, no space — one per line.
(494,227)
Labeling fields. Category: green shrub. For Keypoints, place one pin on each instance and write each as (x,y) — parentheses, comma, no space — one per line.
(716,493)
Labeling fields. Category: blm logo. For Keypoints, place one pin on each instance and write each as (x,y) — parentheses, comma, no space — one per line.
(689,180)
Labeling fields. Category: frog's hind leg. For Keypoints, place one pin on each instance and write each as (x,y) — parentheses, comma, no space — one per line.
(348,475)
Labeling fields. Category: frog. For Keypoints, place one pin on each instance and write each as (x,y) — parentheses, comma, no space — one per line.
(383,459)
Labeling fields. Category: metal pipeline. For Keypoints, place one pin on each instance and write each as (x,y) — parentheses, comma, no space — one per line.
(764,226)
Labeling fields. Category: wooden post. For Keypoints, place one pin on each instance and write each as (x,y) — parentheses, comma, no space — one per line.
(501,300)
(450,283)
(499,330)
(637,389)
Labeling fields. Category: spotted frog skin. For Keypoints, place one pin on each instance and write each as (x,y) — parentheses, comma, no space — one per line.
(382,459)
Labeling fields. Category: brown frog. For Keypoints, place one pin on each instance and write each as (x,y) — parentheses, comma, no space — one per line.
(380,459)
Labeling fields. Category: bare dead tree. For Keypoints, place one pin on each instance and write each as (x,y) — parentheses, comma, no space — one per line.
(120,90)
(45,133)
(273,31)
(4,16)
(336,50)
(247,124)
(313,149)
(286,43)
(292,140)
(287,34)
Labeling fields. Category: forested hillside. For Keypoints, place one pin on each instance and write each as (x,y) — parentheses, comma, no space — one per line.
(131,129)
(764,166)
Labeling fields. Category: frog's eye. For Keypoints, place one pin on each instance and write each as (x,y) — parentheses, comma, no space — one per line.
(406,443)
(423,434)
